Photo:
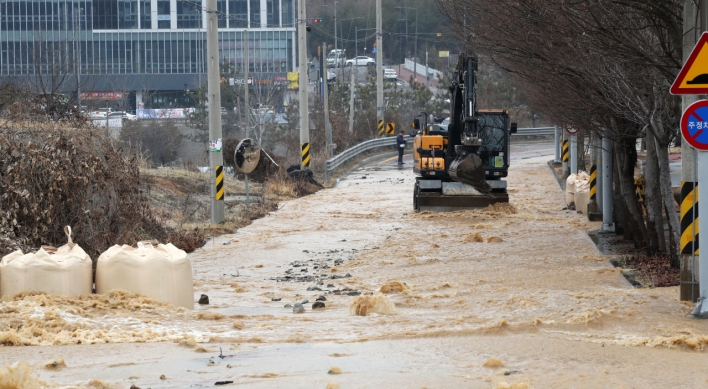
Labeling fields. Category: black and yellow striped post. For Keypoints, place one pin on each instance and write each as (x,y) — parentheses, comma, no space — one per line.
(689,242)
(305,155)
(689,226)
(639,192)
(565,157)
(381,128)
(593,183)
(219,183)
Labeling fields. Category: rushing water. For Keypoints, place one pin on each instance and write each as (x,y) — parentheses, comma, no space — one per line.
(522,284)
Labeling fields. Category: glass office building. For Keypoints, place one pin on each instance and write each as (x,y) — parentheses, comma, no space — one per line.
(136,46)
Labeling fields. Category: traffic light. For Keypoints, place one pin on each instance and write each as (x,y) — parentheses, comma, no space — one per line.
(317,21)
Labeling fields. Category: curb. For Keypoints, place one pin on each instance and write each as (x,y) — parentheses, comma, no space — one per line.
(560,181)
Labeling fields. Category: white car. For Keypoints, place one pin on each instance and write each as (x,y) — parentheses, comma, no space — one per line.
(122,114)
(390,74)
(361,61)
(444,124)
(331,76)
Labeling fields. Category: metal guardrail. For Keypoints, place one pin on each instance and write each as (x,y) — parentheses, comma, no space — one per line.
(355,151)
(535,131)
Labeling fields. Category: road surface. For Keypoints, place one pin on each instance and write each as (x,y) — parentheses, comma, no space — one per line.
(534,296)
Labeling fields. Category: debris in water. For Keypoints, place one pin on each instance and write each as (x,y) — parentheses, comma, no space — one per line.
(204,300)
(474,237)
(54,364)
(322,298)
(275,299)
(318,305)
(517,385)
(334,370)
(189,342)
(363,305)
(134,386)
(394,286)
(332,385)
(162,377)
(494,239)
(493,363)
(223,382)
(298,308)
(239,325)
(19,375)
(264,375)
(336,355)
(209,316)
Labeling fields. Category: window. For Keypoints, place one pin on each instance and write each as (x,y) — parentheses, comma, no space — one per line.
(105,14)
(221,7)
(288,13)
(188,16)
(255,13)
(238,10)
(127,14)
(145,19)
(163,14)
(273,13)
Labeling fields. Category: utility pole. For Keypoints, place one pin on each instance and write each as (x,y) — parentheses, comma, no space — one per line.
(427,76)
(328,125)
(324,47)
(689,181)
(379,65)
(351,100)
(216,159)
(303,95)
(415,49)
(246,64)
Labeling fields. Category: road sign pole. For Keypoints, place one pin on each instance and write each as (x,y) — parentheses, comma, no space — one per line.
(379,64)
(303,86)
(701,309)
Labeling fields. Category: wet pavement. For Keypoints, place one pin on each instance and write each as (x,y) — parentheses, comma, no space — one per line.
(522,284)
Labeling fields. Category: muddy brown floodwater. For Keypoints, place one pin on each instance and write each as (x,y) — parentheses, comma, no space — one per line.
(506,297)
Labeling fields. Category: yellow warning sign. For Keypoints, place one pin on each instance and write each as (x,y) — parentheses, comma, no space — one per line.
(693,78)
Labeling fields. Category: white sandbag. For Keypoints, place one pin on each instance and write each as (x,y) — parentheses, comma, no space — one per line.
(570,189)
(158,271)
(63,271)
(582,199)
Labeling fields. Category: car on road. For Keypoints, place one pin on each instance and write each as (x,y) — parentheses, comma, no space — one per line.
(444,124)
(361,61)
(390,74)
(331,76)
(122,114)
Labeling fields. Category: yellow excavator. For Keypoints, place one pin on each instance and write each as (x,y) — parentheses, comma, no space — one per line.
(462,166)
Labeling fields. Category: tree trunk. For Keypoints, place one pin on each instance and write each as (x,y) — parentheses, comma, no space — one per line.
(665,184)
(653,200)
(626,157)
(581,152)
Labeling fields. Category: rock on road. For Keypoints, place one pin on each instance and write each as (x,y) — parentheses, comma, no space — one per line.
(524,285)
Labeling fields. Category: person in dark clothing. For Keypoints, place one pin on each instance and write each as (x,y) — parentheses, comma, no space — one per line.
(401,144)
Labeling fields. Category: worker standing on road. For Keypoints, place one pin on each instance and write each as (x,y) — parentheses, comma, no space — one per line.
(401,143)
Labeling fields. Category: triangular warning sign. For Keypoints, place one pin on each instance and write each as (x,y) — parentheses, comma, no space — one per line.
(693,78)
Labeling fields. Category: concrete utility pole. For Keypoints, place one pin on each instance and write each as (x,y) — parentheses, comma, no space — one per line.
(351,100)
(689,261)
(303,85)
(574,154)
(328,126)
(379,65)
(246,64)
(607,223)
(557,145)
(216,159)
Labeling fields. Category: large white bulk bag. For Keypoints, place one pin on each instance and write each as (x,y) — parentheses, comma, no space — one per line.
(570,189)
(63,271)
(158,271)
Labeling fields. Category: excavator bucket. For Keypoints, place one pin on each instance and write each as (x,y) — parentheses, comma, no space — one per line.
(469,169)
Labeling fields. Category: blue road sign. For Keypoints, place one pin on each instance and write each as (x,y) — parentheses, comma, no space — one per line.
(694,125)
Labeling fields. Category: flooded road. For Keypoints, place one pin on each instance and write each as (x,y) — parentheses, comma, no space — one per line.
(521,289)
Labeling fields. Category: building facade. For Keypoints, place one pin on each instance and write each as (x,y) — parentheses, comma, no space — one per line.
(150,50)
